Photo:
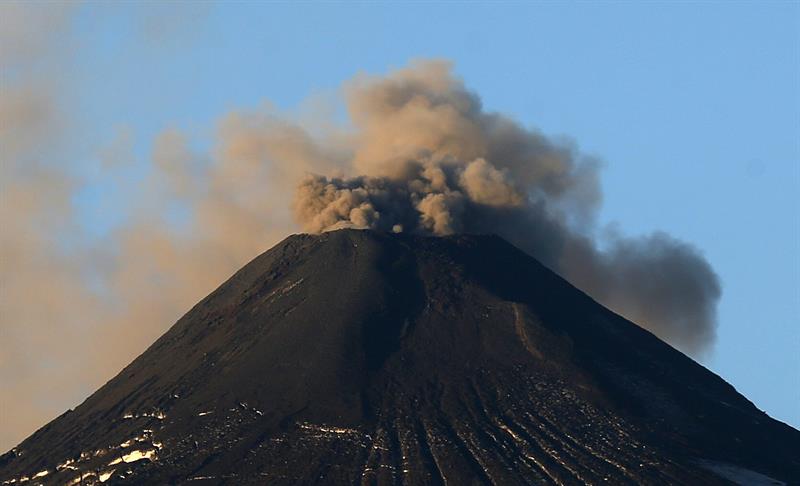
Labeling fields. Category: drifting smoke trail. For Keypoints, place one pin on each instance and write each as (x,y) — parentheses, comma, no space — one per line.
(422,156)
(429,160)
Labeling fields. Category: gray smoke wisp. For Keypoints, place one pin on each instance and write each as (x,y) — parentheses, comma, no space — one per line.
(420,155)
(426,158)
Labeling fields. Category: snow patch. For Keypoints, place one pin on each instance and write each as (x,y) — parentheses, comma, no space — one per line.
(157,414)
(79,479)
(283,290)
(291,286)
(739,475)
(327,430)
(133,456)
(106,475)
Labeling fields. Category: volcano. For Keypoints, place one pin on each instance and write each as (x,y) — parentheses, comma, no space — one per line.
(360,357)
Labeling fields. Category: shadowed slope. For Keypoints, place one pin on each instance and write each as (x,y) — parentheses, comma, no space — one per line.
(358,357)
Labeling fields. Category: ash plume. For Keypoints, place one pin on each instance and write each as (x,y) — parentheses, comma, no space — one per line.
(426,158)
(421,155)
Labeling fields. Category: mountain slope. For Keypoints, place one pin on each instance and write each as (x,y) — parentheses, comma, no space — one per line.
(357,357)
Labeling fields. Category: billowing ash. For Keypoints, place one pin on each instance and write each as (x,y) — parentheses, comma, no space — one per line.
(420,155)
(426,158)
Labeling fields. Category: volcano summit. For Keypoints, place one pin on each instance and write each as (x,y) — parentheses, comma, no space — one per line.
(360,357)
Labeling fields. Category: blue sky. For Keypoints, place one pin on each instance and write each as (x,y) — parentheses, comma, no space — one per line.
(694,108)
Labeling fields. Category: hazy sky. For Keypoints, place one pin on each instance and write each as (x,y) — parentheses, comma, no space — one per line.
(694,110)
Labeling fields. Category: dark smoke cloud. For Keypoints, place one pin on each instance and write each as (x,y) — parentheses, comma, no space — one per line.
(428,159)
(421,155)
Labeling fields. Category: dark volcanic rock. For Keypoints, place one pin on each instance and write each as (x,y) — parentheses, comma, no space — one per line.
(357,357)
